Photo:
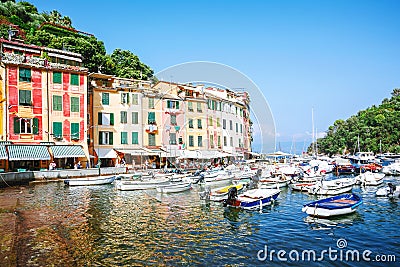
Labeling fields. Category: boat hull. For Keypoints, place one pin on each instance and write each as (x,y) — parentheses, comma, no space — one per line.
(255,199)
(140,185)
(174,188)
(333,206)
(219,194)
(89,181)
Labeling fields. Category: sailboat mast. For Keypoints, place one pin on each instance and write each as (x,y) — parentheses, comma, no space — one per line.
(313,132)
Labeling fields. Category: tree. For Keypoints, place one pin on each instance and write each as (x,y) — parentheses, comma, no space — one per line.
(128,65)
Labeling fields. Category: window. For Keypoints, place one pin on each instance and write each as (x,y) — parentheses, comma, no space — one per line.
(135,118)
(199,124)
(199,141)
(223,123)
(230,125)
(173,104)
(231,141)
(237,127)
(225,142)
(241,128)
(106,138)
(57,77)
(26,126)
(74,79)
(105,98)
(199,107)
(172,138)
(124,138)
(74,104)
(191,142)
(125,98)
(57,130)
(25,75)
(190,106)
(152,139)
(240,143)
(180,140)
(151,117)
(124,117)
(25,98)
(105,118)
(173,119)
(190,123)
(212,141)
(75,131)
(219,141)
(210,121)
(151,102)
(135,138)
(218,123)
(135,100)
(57,103)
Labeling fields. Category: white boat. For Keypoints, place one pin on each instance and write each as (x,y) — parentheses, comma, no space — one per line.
(174,187)
(389,191)
(333,206)
(90,181)
(279,181)
(141,184)
(332,187)
(302,186)
(218,176)
(369,178)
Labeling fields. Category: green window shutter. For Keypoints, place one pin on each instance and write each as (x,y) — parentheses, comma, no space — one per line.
(177,104)
(105,98)
(57,129)
(75,131)
(25,75)
(17,125)
(111,118)
(57,102)
(124,138)
(74,104)
(135,118)
(152,117)
(111,138)
(127,98)
(100,138)
(57,77)
(99,116)
(35,126)
(74,79)
(135,138)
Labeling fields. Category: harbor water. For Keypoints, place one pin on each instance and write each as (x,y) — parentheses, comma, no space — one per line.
(100,226)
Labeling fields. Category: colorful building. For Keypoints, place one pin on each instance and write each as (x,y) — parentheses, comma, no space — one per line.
(43,98)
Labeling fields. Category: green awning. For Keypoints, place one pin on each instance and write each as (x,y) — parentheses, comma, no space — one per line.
(67,152)
(24,152)
(3,152)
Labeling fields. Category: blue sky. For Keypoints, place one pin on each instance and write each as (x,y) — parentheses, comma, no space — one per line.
(336,57)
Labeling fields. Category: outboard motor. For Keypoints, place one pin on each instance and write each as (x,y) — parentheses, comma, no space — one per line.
(392,188)
(232,196)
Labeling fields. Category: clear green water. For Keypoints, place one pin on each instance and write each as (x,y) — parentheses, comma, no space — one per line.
(106,227)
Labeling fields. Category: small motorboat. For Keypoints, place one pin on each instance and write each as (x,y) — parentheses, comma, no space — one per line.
(370,179)
(143,184)
(333,206)
(389,191)
(251,199)
(277,181)
(221,193)
(332,187)
(90,181)
(302,186)
(175,187)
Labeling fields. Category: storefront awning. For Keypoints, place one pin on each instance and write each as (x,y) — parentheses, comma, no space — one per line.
(106,153)
(134,152)
(3,152)
(67,152)
(24,152)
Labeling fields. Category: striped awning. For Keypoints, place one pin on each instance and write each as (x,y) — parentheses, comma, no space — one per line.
(106,153)
(67,152)
(3,152)
(24,152)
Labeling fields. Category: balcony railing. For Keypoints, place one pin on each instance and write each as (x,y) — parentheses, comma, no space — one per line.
(10,58)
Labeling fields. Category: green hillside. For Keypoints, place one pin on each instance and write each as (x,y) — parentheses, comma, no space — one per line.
(377,128)
(54,30)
